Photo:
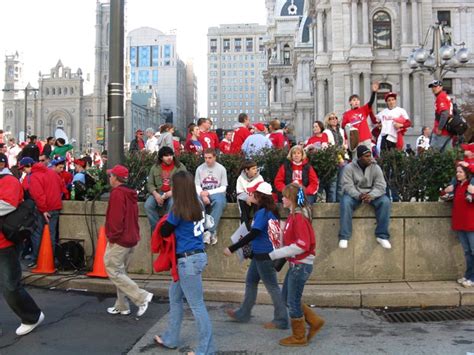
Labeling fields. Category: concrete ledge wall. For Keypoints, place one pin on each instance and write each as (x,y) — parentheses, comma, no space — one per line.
(424,247)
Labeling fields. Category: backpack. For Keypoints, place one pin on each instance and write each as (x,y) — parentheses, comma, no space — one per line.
(456,124)
(80,188)
(20,223)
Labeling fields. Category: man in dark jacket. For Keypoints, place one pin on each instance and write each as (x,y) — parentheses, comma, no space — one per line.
(31,149)
(17,298)
(123,234)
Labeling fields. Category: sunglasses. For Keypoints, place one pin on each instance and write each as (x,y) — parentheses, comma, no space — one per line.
(333,118)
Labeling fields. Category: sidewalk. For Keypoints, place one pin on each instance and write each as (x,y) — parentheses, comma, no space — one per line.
(373,295)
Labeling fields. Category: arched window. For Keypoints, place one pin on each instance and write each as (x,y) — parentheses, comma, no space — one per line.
(286,54)
(59,91)
(380,101)
(65,91)
(53,91)
(382,30)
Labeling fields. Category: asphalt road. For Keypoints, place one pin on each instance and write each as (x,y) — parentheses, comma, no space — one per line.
(76,323)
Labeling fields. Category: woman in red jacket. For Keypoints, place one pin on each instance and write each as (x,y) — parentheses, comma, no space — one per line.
(299,249)
(463,222)
(298,169)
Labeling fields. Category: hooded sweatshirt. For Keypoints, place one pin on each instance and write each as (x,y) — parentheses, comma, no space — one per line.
(121,219)
(45,188)
(244,183)
(356,181)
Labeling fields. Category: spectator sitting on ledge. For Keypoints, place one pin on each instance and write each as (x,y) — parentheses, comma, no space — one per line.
(363,181)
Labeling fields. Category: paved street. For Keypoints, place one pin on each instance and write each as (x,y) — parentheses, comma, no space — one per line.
(76,323)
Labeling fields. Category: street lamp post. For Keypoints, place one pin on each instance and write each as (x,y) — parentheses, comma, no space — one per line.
(28,88)
(443,57)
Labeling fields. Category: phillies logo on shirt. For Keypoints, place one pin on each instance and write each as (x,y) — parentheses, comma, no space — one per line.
(210,182)
(297,176)
(357,118)
(208,141)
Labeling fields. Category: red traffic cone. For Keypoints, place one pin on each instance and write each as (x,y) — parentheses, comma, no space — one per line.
(99,267)
(45,263)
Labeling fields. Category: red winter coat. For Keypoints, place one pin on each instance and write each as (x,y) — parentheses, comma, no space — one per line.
(297,173)
(240,135)
(121,219)
(166,248)
(11,194)
(45,188)
(463,211)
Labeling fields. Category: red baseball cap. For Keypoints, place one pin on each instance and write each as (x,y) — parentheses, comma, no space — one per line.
(80,162)
(259,126)
(119,171)
(390,94)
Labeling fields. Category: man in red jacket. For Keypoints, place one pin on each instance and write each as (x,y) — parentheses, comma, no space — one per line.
(46,191)
(20,302)
(441,139)
(123,234)
(241,132)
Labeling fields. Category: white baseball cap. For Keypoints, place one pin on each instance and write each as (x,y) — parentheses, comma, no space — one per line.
(263,187)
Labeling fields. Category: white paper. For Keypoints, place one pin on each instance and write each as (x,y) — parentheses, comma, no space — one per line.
(241,232)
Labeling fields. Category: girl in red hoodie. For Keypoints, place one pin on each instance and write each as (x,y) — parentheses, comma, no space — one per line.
(297,169)
(299,248)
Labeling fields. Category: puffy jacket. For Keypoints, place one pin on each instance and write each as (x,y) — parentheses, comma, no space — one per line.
(11,195)
(45,188)
(121,219)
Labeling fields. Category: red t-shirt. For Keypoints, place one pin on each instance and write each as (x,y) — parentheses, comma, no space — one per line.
(207,140)
(166,176)
(314,140)
(224,146)
(358,118)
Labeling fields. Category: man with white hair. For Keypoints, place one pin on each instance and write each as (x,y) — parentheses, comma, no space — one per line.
(151,145)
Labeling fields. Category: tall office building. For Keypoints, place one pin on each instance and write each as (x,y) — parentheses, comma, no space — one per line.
(236,60)
(156,66)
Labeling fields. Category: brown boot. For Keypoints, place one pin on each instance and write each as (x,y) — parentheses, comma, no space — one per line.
(298,338)
(315,322)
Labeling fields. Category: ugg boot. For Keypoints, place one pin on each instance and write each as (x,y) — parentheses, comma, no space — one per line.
(315,322)
(298,338)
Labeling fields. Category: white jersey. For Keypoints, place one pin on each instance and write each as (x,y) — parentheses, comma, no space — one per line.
(387,117)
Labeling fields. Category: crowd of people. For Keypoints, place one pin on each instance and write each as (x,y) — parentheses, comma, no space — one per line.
(186,207)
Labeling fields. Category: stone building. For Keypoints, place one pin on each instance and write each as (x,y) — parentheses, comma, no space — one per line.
(322,51)
(236,61)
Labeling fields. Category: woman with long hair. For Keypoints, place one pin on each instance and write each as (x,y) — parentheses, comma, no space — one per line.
(462,222)
(261,267)
(186,221)
(299,248)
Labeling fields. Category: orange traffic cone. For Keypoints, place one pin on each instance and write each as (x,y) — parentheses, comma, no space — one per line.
(99,267)
(45,263)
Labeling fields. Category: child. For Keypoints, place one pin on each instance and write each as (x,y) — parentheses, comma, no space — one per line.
(468,162)
(299,247)
(249,177)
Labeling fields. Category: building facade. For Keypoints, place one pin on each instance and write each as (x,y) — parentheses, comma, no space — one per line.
(322,51)
(156,66)
(236,61)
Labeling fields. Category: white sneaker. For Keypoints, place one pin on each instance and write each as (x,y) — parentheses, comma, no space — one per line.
(113,310)
(461,280)
(343,243)
(468,283)
(213,239)
(142,309)
(24,329)
(384,243)
(207,237)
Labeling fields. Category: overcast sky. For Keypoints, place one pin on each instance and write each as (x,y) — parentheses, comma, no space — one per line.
(45,31)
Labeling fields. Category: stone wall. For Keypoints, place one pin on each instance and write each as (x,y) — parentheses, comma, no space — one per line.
(423,245)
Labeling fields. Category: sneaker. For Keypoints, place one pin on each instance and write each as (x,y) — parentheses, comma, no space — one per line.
(213,239)
(142,309)
(343,243)
(461,280)
(24,329)
(113,310)
(468,283)
(207,237)
(384,243)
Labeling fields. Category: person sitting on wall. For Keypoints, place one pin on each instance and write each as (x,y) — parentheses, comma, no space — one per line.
(159,185)
(363,182)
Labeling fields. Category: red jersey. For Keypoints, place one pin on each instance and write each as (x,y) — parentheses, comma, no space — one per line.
(224,146)
(442,103)
(240,135)
(208,140)
(278,140)
(358,118)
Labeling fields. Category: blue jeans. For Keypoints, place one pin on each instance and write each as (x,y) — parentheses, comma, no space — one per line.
(262,270)
(190,286)
(38,233)
(311,199)
(382,207)
(467,241)
(330,190)
(12,288)
(338,182)
(293,286)
(216,209)
(152,208)
(441,143)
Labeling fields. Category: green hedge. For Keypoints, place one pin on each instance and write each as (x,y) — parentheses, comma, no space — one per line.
(419,177)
